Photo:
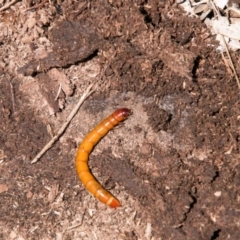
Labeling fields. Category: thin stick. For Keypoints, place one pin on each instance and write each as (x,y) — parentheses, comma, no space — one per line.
(12,95)
(36,6)
(231,62)
(58,93)
(226,47)
(8,5)
(85,95)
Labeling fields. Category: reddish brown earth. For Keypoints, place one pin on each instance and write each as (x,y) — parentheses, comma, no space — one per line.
(174,164)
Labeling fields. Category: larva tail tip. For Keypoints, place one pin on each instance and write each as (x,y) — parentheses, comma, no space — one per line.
(115,203)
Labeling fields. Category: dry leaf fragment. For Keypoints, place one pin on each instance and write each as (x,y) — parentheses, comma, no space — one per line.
(62,80)
(3,188)
(53,192)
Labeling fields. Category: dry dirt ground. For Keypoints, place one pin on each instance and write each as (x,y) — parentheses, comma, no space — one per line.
(174,164)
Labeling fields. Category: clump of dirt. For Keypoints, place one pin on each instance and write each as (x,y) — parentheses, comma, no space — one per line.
(73,42)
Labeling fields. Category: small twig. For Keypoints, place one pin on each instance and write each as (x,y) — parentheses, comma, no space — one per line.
(58,93)
(85,95)
(215,8)
(231,62)
(36,6)
(12,95)
(226,47)
(8,5)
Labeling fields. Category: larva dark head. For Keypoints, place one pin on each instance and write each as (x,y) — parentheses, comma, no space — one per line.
(122,113)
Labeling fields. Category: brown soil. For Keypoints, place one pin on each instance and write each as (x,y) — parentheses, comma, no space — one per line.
(174,164)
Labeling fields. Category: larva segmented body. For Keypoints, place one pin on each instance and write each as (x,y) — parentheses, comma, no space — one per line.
(85,149)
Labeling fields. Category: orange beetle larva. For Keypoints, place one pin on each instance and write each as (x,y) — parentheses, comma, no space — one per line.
(85,149)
